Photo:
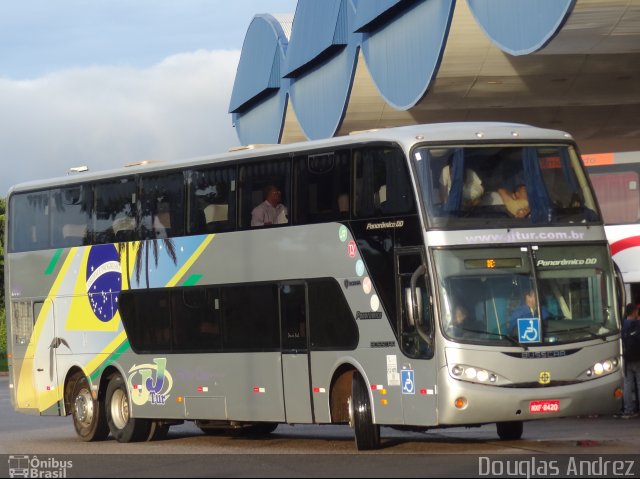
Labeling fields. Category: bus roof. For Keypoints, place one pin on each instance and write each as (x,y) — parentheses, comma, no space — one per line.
(404,136)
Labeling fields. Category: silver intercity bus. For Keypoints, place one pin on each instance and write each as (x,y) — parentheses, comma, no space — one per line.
(418,277)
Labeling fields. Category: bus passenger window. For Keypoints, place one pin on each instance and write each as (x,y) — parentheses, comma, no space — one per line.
(215,214)
(618,194)
(264,187)
(115,210)
(71,216)
(212,200)
(162,221)
(243,329)
(196,320)
(380,197)
(322,187)
(331,322)
(343,205)
(382,183)
(124,228)
(73,235)
(271,211)
(30,218)
(162,200)
(146,316)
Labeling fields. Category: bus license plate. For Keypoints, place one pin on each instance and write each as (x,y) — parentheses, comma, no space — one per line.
(537,407)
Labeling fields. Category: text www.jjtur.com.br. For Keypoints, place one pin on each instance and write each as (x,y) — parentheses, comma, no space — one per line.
(518,236)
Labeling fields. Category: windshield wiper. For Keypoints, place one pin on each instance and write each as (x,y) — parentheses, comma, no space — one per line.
(584,329)
(511,339)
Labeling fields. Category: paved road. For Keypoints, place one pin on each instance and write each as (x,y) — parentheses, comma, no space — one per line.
(311,450)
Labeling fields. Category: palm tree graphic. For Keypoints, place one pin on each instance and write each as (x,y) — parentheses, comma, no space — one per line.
(148,246)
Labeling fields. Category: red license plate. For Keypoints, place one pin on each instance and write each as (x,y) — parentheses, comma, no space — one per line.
(541,407)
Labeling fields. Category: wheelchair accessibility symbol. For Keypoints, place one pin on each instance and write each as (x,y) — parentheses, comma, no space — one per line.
(408,383)
(529,330)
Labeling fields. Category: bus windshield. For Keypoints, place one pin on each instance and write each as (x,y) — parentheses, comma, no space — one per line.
(474,186)
(494,295)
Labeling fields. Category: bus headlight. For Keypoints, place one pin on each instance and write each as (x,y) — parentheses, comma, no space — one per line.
(602,368)
(473,374)
(470,373)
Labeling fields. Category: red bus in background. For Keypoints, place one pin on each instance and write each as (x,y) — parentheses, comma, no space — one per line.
(616,180)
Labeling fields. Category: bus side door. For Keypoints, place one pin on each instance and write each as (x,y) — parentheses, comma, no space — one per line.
(295,353)
(44,361)
(417,367)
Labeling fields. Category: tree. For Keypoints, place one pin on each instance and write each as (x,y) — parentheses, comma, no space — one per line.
(3,204)
(3,334)
(3,325)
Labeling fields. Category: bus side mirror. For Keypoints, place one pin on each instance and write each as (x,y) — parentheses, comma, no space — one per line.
(621,292)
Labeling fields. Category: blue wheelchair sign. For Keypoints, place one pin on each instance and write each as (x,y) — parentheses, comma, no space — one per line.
(529,330)
(408,382)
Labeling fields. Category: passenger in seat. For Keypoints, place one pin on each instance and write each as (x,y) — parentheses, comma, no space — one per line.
(516,202)
(472,188)
(271,211)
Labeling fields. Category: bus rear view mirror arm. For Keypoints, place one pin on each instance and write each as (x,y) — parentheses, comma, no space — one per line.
(416,304)
(415,307)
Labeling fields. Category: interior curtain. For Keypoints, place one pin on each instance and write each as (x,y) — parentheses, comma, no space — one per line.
(539,203)
(456,170)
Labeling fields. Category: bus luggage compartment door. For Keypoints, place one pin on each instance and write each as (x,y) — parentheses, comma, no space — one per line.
(295,354)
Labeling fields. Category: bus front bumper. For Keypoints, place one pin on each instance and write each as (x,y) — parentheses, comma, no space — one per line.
(463,402)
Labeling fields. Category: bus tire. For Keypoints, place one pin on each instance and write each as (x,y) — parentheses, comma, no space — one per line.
(158,431)
(261,428)
(123,427)
(510,431)
(367,433)
(89,419)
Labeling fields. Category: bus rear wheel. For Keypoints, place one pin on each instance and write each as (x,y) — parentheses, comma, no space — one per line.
(510,431)
(123,427)
(89,419)
(360,416)
(158,431)
(261,428)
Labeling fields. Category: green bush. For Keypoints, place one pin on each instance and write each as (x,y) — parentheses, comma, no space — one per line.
(3,333)
(3,341)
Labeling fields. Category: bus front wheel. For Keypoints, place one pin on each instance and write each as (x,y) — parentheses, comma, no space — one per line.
(360,416)
(89,419)
(123,427)
(510,431)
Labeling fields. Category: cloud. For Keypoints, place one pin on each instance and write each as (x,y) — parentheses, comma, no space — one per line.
(107,116)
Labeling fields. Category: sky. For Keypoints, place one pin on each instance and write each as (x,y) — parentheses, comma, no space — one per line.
(103,83)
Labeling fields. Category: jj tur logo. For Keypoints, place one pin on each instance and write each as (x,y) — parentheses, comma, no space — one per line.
(28,466)
(150,383)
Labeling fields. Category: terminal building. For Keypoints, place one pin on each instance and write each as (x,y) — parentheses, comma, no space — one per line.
(337,66)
